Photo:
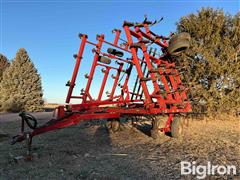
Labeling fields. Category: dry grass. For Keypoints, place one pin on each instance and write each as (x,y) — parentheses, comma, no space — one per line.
(88,152)
(51,105)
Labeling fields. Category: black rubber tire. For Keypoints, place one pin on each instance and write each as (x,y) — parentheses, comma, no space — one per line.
(178,47)
(104,60)
(115,52)
(113,125)
(180,36)
(178,43)
(176,127)
(158,123)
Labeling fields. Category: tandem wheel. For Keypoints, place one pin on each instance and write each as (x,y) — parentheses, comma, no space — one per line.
(176,127)
(113,125)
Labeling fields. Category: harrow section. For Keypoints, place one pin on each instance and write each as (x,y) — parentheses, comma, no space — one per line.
(139,76)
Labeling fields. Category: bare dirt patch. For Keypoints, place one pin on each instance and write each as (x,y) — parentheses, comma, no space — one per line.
(90,152)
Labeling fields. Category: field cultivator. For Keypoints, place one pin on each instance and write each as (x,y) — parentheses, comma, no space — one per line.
(139,74)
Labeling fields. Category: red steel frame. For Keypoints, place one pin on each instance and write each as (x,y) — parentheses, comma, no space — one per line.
(174,100)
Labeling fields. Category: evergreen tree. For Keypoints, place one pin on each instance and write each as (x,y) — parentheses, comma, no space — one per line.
(3,65)
(213,62)
(21,88)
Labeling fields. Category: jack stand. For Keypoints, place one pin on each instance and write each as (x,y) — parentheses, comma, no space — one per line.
(29,156)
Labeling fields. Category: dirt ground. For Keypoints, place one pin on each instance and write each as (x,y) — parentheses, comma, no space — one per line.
(90,152)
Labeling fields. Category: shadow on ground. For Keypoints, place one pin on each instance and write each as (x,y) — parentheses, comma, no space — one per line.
(88,151)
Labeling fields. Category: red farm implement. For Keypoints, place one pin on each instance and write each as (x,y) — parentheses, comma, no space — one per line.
(139,74)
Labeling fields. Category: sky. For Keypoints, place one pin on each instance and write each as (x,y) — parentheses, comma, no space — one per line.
(48,30)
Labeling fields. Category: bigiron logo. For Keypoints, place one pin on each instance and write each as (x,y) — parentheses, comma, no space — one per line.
(202,171)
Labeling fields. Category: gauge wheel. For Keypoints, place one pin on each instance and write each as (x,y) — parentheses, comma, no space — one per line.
(157,124)
(176,127)
(113,125)
(179,43)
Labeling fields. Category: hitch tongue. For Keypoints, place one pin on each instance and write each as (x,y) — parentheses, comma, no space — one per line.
(17,138)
